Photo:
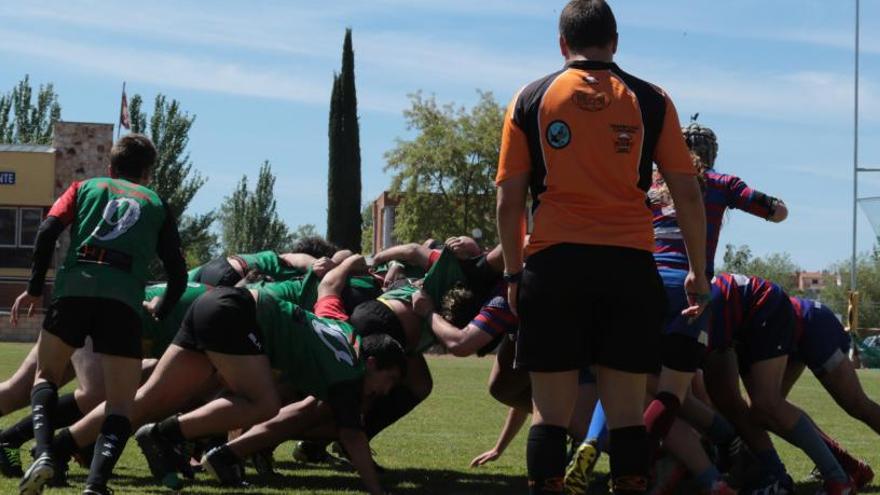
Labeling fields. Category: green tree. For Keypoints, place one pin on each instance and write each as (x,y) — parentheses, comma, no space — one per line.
(174,178)
(249,220)
(445,175)
(23,121)
(776,267)
(344,177)
(305,230)
(367,231)
(836,295)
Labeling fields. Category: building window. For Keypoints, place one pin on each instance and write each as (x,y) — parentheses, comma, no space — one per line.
(8,227)
(28,224)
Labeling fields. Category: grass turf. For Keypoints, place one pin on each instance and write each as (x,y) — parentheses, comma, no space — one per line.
(428,452)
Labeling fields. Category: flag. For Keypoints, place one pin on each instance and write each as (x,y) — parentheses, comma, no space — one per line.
(124,117)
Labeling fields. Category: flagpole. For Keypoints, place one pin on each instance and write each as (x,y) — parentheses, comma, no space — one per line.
(119,125)
(853,262)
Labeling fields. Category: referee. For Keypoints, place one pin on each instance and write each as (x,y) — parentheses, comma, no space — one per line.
(583,141)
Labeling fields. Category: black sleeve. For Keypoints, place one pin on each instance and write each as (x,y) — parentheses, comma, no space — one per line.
(44,246)
(169,251)
(344,399)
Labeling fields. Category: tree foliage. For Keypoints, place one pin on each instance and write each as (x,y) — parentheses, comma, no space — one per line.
(367,230)
(775,267)
(249,219)
(835,295)
(344,175)
(444,176)
(24,121)
(173,177)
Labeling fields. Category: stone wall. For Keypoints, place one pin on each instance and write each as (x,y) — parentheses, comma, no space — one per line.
(82,151)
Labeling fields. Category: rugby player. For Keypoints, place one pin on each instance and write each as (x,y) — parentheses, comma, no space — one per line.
(755,317)
(584,139)
(118,226)
(240,334)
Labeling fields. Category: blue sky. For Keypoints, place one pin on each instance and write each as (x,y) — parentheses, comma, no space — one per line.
(774,79)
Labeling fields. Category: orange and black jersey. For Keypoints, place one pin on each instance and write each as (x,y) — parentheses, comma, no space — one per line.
(588,136)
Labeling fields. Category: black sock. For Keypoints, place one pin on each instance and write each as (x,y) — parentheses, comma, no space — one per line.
(386,410)
(63,446)
(226,455)
(66,413)
(628,455)
(170,429)
(108,448)
(44,398)
(545,459)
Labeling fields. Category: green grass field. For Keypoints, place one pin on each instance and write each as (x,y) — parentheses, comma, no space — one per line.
(428,452)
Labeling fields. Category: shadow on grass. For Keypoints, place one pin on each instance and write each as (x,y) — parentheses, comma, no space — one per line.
(398,481)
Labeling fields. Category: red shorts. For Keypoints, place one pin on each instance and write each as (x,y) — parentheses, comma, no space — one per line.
(331,307)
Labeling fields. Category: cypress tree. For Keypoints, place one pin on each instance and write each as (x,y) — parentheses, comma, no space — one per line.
(344,181)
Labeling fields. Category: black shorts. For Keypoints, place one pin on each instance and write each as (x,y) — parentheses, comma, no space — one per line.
(766,337)
(374,317)
(115,328)
(581,305)
(222,320)
(218,273)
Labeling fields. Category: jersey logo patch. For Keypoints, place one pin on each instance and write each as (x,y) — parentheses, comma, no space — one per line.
(558,134)
(119,215)
(591,102)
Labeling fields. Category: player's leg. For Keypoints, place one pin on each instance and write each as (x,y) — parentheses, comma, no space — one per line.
(721,374)
(843,384)
(764,384)
(793,371)
(508,385)
(53,357)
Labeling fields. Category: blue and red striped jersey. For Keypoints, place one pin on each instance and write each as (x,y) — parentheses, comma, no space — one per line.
(722,191)
(738,300)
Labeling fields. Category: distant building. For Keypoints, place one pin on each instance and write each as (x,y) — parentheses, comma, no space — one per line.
(811,282)
(383,209)
(31,177)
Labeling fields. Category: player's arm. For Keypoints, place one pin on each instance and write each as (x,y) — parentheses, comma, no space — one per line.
(335,280)
(61,215)
(516,418)
(460,342)
(495,259)
(301,261)
(411,254)
(675,163)
(170,253)
(756,202)
(345,401)
(510,213)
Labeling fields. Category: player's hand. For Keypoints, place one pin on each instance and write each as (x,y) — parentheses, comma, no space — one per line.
(359,265)
(463,247)
(151,306)
(698,294)
(395,272)
(485,457)
(24,300)
(512,292)
(423,304)
(322,265)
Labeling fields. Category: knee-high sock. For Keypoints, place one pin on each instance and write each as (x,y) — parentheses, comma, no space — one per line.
(659,417)
(628,451)
(806,437)
(108,448)
(66,413)
(545,459)
(44,398)
(598,432)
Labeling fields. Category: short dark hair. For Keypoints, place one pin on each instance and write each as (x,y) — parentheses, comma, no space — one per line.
(133,156)
(315,246)
(460,305)
(587,24)
(387,352)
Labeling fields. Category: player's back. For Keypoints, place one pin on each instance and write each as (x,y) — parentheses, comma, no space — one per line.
(591,134)
(115,226)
